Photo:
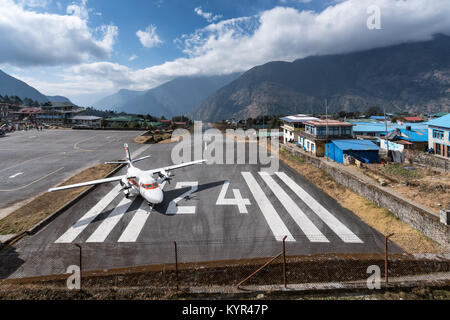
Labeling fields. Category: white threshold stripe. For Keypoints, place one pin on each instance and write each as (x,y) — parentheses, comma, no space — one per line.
(274,221)
(73,232)
(134,228)
(136,224)
(113,218)
(340,229)
(308,228)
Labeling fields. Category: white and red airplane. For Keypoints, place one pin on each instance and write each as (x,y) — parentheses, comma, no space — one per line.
(136,181)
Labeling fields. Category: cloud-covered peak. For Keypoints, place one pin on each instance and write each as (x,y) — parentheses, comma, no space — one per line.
(37,39)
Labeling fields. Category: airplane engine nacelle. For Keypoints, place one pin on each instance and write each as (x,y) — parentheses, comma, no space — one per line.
(125,184)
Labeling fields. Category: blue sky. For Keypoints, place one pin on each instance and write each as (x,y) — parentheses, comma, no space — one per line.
(87,49)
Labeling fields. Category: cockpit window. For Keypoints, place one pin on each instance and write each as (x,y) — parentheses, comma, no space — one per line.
(150,186)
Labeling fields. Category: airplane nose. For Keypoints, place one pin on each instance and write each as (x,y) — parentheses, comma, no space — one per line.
(159,197)
(154,196)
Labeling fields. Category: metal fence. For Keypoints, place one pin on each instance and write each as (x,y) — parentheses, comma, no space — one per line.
(236,263)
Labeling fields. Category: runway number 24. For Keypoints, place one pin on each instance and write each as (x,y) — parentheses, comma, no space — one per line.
(238,201)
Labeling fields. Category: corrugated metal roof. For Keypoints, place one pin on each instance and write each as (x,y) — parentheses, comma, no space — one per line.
(413,119)
(355,145)
(414,135)
(378,117)
(85,118)
(380,127)
(443,122)
(330,123)
(299,118)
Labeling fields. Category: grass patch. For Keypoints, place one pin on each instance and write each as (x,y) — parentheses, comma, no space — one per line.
(42,206)
(397,170)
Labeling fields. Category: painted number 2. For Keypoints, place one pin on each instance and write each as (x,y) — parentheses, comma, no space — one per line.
(237,201)
(173,208)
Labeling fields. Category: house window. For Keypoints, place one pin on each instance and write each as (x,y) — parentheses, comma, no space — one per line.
(438,134)
(312,147)
(345,131)
(334,131)
(321,131)
(438,149)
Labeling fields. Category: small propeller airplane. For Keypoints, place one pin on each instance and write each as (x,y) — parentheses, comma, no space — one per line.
(136,181)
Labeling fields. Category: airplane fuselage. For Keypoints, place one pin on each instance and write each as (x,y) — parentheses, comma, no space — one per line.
(143,184)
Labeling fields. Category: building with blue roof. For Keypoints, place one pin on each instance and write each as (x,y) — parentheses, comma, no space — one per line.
(371,129)
(380,118)
(439,136)
(362,150)
(406,138)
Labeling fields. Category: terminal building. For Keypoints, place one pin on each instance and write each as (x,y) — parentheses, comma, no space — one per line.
(58,113)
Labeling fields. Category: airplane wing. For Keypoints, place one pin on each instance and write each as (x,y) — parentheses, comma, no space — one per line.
(89,183)
(177,166)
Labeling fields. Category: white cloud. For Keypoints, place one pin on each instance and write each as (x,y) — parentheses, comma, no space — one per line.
(79,10)
(277,34)
(207,15)
(35,3)
(33,38)
(133,57)
(148,37)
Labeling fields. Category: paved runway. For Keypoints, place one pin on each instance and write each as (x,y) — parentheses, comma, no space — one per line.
(214,212)
(33,161)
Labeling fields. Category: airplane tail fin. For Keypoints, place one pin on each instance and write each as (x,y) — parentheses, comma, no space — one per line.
(127,152)
(128,160)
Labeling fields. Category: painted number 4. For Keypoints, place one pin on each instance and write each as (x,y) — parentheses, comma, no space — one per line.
(237,201)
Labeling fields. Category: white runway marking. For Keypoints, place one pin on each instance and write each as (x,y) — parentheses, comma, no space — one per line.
(173,207)
(308,228)
(85,220)
(138,221)
(274,221)
(240,202)
(136,224)
(105,228)
(15,175)
(341,230)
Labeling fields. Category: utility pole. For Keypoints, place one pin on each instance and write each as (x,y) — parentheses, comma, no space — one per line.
(386,128)
(326,130)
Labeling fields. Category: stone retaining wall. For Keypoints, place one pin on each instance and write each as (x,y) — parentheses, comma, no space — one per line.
(424,221)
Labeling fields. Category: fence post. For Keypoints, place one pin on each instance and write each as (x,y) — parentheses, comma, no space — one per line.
(386,264)
(284,262)
(176,262)
(81,266)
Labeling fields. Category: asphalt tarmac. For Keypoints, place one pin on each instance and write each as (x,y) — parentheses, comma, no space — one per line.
(213,212)
(34,161)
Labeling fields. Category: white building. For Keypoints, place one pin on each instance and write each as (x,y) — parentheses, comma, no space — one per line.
(439,136)
(293,124)
(89,121)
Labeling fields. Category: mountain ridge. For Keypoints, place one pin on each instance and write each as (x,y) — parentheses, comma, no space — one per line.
(414,76)
(12,86)
(173,98)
